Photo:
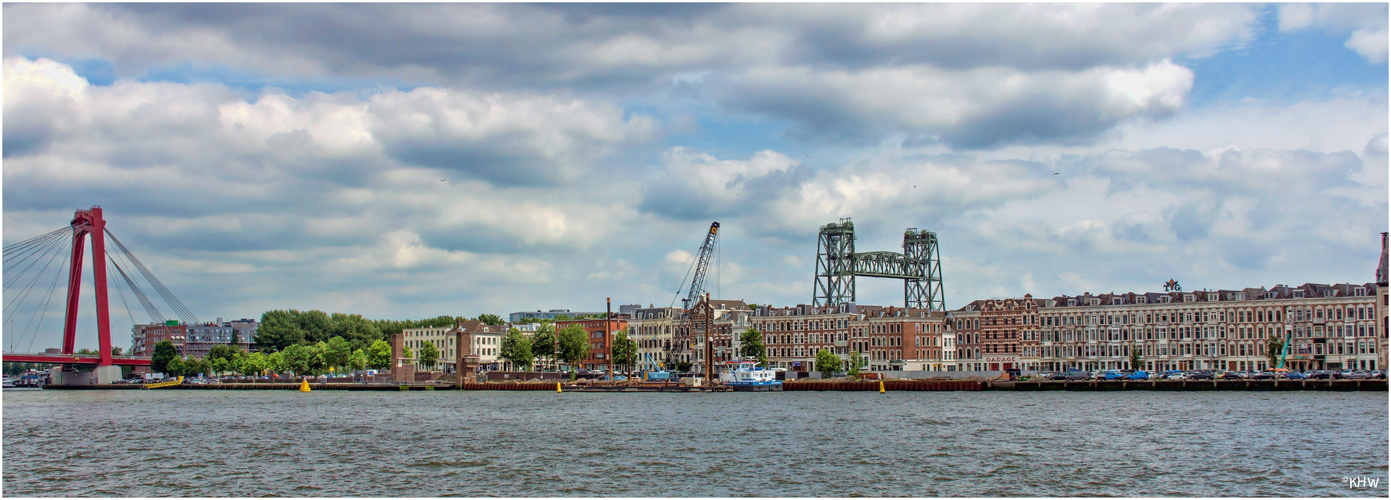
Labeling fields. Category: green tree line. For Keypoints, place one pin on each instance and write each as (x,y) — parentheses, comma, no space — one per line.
(334,356)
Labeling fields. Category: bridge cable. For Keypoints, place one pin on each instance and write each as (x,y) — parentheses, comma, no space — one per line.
(10,307)
(21,296)
(47,300)
(169,298)
(35,240)
(21,255)
(124,303)
(144,299)
(35,253)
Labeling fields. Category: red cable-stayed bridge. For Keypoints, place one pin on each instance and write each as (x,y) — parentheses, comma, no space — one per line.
(27,265)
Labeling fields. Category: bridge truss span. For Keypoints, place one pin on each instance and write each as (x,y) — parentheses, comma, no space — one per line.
(837,265)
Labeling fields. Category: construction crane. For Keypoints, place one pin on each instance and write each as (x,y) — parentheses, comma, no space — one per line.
(683,341)
(701,265)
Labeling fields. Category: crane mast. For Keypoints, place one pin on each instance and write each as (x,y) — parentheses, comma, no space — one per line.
(702,265)
(696,304)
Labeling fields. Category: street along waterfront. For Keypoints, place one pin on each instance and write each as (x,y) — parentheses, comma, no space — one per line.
(340,443)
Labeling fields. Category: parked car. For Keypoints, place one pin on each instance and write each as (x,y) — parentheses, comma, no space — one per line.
(1138,375)
(1318,375)
(1200,375)
(1379,374)
(1232,375)
(1077,375)
(1176,375)
(1265,375)
(1112,375)
(1358,375)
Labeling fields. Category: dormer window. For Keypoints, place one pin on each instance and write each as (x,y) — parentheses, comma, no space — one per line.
(1116,301)
(1359,291)
(1212,297)
(1096,302)
(1270,294)
(1299,294)
(1328,293)
(1188,297)
(1240,295)
(1071,302)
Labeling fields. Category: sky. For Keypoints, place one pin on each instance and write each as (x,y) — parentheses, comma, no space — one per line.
(410,161)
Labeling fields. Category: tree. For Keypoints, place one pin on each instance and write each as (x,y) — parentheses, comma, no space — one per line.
(278,329)
(681,366)
(516,348)
(195,366)
(296,358)
(164,353)
(275,362)
(357,361)
(316,324)
(253,364)
(218,366)
(574,345)
(115,350)
(225,352)
(429,354)
(1274,346)
(359,332)
(856,361)
(490,319)
(379,355)
(543,342)
(827,363)
(337,351)
(317,365)
(1134,356)
(174,367)
(406,352)
(625,351)
(751,345)
(236,339)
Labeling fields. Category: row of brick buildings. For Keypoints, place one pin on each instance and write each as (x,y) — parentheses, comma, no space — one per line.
(193,340)
(1340,326)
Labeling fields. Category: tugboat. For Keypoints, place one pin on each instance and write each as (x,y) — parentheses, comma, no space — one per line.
(747,376)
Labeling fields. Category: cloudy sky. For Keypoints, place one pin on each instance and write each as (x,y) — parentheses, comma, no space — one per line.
(405,161)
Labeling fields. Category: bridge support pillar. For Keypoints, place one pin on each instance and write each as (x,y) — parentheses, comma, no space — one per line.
(87,375)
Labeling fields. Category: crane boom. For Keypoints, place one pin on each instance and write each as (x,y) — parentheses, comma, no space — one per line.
(702,265)
(684,336)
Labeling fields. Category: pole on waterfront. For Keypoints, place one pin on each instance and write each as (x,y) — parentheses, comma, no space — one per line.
(608,334)
(709,354)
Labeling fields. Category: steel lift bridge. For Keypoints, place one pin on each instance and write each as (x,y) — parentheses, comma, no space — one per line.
(30,264)
(837,265)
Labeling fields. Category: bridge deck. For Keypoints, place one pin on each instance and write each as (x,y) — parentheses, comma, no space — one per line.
(74,359)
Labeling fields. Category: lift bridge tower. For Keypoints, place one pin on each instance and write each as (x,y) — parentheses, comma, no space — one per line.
(837,265)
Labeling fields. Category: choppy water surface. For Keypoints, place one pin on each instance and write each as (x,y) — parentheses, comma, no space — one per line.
(519,444)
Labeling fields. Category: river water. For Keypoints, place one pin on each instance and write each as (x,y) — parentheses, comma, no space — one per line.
(795,444)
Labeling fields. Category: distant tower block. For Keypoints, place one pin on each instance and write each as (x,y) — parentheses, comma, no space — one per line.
(837,265)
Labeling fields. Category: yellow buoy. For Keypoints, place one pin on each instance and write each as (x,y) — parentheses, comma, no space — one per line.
(304,385)
(557,387)
(881,387)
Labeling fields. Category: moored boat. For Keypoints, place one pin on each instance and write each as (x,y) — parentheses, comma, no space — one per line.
(748,376)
